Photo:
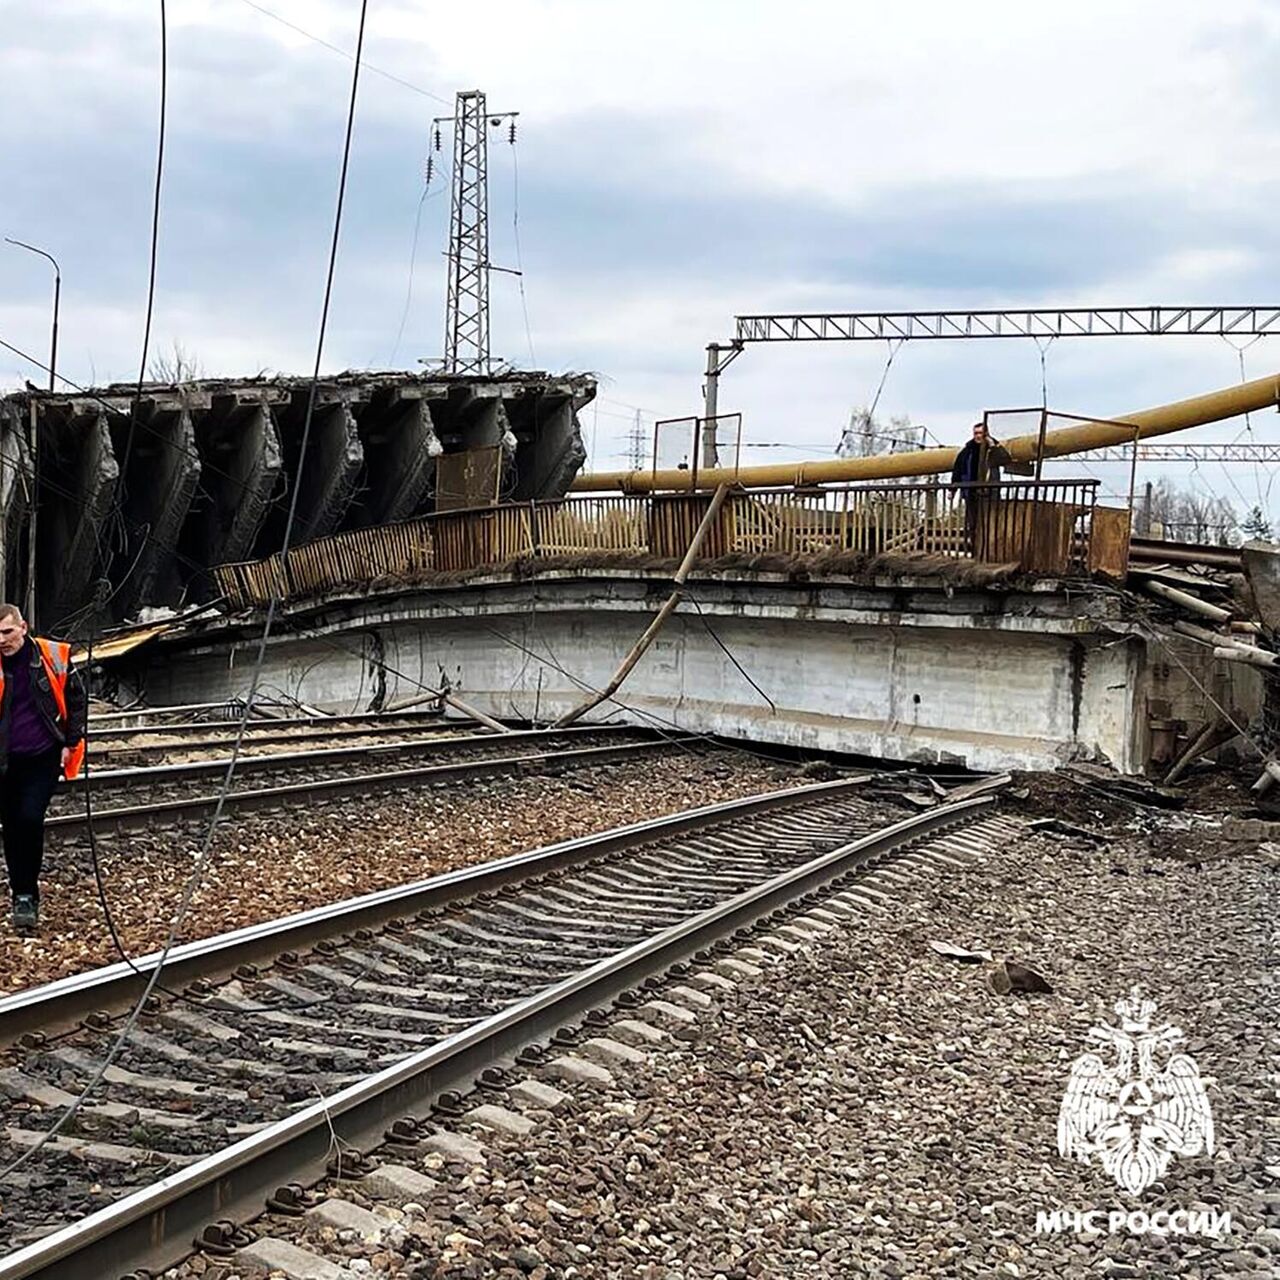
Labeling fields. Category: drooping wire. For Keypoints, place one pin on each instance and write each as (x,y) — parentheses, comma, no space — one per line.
(136,408)
(1043,349)
(206,850)
(728,653)
(515,231)
(1264,503)
(894,347)
(429,173)
(333,48)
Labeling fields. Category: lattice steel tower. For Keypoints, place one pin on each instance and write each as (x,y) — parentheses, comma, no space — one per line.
(466,324)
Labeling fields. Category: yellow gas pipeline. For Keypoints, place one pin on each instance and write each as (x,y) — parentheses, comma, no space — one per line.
(1196,412)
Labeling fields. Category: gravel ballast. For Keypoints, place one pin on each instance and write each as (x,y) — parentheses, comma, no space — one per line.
(869,1107)
(268,865)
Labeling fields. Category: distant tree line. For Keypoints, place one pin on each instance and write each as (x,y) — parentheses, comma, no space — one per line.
(1183,515)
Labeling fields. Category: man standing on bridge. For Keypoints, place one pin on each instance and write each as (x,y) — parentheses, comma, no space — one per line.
(977,464)
(42,725)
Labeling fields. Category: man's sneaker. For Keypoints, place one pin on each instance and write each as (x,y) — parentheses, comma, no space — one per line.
(26,913)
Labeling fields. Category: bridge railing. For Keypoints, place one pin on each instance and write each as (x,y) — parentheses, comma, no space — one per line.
(1050,527)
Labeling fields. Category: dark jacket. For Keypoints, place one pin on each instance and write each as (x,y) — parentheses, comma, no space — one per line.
(979,464)
(77,704)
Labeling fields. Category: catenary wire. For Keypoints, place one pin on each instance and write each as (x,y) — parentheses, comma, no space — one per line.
(515,232)
(333,48)
(206,850)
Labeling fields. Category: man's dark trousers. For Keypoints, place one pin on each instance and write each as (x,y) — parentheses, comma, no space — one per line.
(25,791)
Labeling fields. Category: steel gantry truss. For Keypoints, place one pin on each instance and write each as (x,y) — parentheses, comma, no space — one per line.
(1256,453)
(1042,323)
(1047,322)
(466,325)
(466,338)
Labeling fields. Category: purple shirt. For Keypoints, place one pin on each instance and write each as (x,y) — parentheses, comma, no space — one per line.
(28,733)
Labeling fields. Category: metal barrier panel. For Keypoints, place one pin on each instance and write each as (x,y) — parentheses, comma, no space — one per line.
(1047,528)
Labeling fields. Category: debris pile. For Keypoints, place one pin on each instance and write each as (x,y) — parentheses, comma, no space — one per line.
(1236,616)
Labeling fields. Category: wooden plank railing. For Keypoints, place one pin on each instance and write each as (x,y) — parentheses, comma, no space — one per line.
(1037,527)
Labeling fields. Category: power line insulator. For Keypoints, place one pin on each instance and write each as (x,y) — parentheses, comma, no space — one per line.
(431,167)
(437,137)
(511,133)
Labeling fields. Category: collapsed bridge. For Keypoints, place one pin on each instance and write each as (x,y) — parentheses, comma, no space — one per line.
(135,502)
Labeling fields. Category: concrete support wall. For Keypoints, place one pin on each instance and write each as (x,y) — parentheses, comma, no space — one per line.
(926,679)
(240,449)
(78,477)
(16,477)
(400,451)
(159,485)
(551,452)
(327,479)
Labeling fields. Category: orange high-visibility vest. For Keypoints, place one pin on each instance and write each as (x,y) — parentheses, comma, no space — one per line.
(56,657)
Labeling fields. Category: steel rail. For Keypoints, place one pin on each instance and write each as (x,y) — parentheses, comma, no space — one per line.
(154,1227)
(287,722)
(133,817)
(331,755)
(118,985)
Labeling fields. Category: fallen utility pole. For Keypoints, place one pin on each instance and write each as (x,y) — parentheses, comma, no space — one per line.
(1254,657)
(1187,601)
(1211,638)
(672,602)
(1200,743)
(448,697)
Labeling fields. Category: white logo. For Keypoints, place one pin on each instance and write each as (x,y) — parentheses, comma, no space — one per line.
(1135,1114)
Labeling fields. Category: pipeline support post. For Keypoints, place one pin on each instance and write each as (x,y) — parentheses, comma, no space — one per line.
(711,396)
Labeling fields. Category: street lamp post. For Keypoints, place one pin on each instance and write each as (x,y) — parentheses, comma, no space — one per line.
(35,454)
(57,297)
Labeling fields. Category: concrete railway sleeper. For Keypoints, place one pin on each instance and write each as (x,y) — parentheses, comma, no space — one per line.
(182,808)
(172,781)
(380,1008)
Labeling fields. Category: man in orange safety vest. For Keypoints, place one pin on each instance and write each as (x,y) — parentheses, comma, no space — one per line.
(42,726)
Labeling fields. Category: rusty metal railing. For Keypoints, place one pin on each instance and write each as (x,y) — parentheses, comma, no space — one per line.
(1044,528)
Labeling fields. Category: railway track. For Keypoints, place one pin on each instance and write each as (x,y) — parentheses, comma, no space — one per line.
(131,799)
(140,745)
(377,1006)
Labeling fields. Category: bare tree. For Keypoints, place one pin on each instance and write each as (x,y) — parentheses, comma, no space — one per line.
(866,436)
(1181,515)
(180,366)
(1256,526)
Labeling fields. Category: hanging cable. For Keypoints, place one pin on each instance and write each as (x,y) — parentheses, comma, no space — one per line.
(333,48)
(136,408)
(515,231)
(1044,380)
(206,850)
(429,173)
(728,653)
(894,347)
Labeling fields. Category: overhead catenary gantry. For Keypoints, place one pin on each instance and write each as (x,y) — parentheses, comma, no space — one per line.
(1039,322)
(1042,323)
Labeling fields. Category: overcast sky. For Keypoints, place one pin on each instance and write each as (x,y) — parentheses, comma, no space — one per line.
(679,163)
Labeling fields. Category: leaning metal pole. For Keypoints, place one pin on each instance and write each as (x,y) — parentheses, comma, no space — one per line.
(1123,429)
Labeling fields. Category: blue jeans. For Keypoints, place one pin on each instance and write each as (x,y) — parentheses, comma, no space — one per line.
(25,791)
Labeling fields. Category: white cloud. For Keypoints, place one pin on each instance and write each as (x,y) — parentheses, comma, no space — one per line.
(797,156)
